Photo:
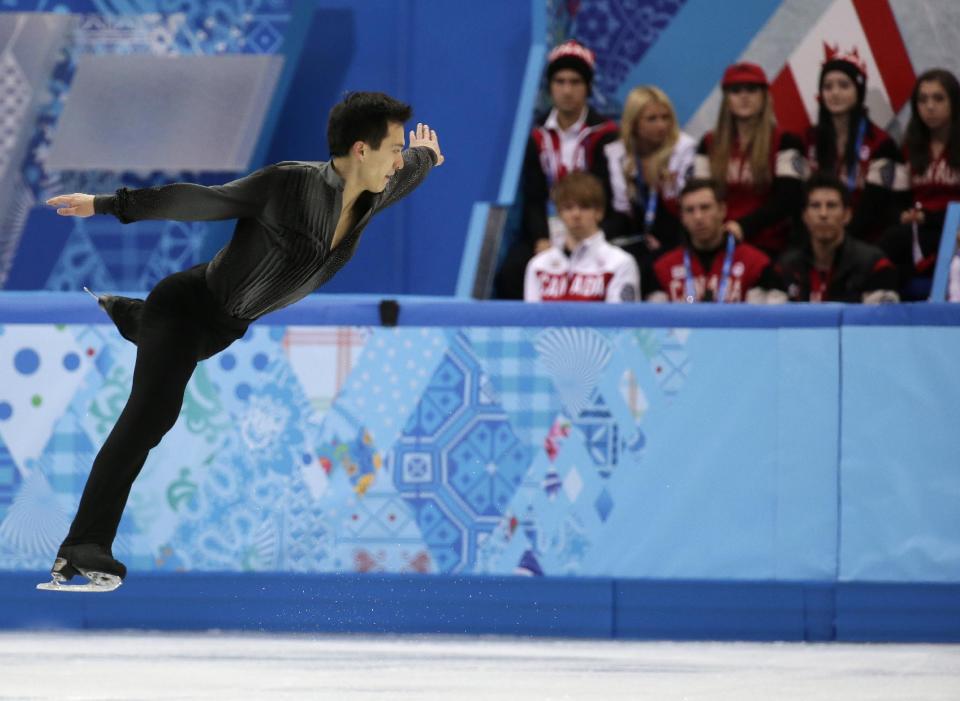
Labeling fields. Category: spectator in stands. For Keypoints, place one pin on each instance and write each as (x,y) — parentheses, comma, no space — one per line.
(587,268)
(759,166)
(832,266)
(931,148)
(713,266)
(643,173)
(847,144)
(566,140)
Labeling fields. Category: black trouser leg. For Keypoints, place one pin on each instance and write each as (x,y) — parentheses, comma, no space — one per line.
(179,324)
(166,358)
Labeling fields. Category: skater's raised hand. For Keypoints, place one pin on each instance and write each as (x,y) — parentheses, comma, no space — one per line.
(425,136)
(75,205)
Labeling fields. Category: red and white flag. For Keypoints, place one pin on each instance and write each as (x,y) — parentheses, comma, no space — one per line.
(867,26)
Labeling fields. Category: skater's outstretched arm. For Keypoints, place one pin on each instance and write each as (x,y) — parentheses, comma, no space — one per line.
(181,201)
(423,154)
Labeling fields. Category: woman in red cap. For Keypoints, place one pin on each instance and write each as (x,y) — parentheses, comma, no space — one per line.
(760,165)
(847,144)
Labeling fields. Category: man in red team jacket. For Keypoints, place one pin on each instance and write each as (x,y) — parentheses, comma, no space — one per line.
(712,266)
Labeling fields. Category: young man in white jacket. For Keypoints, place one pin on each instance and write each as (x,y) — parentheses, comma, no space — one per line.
(587,268)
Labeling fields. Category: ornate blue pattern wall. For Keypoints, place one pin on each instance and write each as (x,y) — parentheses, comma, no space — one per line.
(651,451)
(39,252)
(368,45)
(618,31)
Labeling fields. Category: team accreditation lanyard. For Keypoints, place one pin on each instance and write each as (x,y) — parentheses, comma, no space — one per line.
(650,207)
(858,144)
(690,290)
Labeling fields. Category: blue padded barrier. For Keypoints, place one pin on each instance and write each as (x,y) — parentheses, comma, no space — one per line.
(815,503)
(362,310)
(728,610)
(919,314)
(323,603)
(884,611)
(562,606)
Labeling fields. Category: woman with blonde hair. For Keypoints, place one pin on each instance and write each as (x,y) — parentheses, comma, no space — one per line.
(760,166)
(643,172)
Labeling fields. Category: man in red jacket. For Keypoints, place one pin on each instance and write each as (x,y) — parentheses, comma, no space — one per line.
(712,266)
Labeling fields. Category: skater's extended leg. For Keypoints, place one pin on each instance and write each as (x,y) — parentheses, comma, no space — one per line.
(180,324)
(166,358)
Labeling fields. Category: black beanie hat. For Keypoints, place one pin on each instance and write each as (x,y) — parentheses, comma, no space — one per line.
(849,64)
(574,56)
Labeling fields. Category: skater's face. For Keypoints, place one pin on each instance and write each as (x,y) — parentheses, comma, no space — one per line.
(568,90)
(933,105)
(377,165)
(825,215)
(838,92)
(703,216)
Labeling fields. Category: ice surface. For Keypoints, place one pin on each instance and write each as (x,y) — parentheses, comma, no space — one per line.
(75,665)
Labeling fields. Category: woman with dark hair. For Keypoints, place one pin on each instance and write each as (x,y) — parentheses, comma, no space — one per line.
(759,166)
(931,148)
(845,143)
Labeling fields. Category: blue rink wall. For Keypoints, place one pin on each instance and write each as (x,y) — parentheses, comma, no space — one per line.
(769,473)
(459,64)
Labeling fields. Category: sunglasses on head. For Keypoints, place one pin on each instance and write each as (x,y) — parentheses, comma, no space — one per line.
(744,87)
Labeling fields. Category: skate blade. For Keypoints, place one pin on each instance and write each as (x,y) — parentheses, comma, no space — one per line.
(98,582)
(91,293)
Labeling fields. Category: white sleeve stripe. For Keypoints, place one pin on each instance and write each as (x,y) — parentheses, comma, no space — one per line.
(789,164)
(879,171)
(701,166)
(901,178)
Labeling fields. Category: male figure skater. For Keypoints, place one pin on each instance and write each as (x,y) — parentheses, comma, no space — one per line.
(298,223)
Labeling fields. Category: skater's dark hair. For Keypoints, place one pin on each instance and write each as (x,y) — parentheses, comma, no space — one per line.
(826,181)
(363,116)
